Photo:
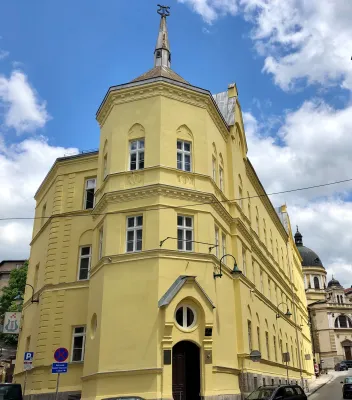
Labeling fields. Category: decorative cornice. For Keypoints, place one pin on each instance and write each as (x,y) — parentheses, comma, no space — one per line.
(226,370)
(186,94)
(265,199)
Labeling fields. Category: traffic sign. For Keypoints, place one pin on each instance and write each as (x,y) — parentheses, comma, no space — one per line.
(28,356)
(61,354)
(59,368)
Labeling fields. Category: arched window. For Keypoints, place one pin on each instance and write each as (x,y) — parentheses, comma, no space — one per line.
(316,283)
(343,322)
(257,221)
(249,207)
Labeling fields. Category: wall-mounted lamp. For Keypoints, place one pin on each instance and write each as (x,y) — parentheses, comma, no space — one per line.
(235,271)
(19,299)
(288,314)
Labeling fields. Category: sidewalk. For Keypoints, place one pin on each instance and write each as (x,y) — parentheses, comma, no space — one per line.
(320,382)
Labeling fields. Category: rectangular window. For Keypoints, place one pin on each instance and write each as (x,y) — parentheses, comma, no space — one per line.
(253,271)
(255,382)
(267,345)
(244,267)
(217,252)
(105,166)
(100,245)
(28,343)
(214,169)
(269,289)
(250,336)
(240,197)
(184,158)
(134,233)
(84,262)
(43,219)
(275,350)
(221,178)
(184,233)
(35,280)
(261,282)
(136,154)
(89,193)
(258,338)
(223,243)
(78,343)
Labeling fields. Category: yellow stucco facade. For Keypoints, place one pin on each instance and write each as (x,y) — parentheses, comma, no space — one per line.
(128,306)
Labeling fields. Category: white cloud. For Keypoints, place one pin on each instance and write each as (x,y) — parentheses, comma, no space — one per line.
(23,166)
(301,40)
(23,111)
(315,147)
(3,54)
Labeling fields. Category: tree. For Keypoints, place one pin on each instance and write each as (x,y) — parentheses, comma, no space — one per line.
(17,284)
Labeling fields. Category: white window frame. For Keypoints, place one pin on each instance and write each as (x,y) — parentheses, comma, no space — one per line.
(135,229)
(223,243)
(184,317)
(83,342)
(185,229)
(217,250)
(85,192)
(221,178)
(214,168)
(183,153)
(100,243)
(89,256)
(138,151)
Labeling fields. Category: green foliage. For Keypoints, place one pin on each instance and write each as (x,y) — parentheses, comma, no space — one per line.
(17,284)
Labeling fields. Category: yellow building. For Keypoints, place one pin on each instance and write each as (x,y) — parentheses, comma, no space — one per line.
(133,258)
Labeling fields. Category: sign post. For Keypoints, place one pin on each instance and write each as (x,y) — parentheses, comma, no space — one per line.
(60,367)
(27,365)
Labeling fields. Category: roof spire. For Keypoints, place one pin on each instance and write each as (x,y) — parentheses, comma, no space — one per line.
(298,238)
(162,54)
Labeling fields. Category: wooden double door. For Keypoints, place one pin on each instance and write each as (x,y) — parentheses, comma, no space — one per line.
(186,371)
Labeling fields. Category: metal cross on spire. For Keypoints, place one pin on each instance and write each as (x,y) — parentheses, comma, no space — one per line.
(164,11)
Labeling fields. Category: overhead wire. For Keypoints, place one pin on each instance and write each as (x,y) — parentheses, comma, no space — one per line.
(161,207)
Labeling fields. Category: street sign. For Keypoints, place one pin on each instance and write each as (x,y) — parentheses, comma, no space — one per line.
(59,368)
(28,356)
(28,360)
(12,322)
(61,354)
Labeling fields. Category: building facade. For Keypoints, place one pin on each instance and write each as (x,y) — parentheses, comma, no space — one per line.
(330,310)
(163,263)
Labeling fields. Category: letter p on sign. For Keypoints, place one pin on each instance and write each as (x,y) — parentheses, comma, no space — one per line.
(28,356)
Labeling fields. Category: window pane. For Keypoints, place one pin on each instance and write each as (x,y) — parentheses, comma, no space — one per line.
(83,274)
(85,251)
(90,184)
(141,144)
(84,264)
(139,245)
(79,329)
(77,355)
(134,145)
(129,246)
(179,220)
(140,220)
(180,237)
(89,198)
(141,160)
(187,146)
(179,144)
(133,161)
(187,167)
(190,317)
(139,234)
(189,237)
(187,159)
(130,222)
(189,221)
(130,236)
(179,316)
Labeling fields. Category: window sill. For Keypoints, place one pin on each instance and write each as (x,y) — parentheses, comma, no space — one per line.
(76,362)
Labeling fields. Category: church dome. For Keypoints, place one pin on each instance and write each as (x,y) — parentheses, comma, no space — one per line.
(309,257)
(334,283)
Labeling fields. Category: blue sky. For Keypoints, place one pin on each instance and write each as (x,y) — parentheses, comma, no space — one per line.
(290,61)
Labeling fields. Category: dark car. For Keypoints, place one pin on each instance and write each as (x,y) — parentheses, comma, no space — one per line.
(292,392)
(347,387)
(348,363)
(10,391)
(341,367)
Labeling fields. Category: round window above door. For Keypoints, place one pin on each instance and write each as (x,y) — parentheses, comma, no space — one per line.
(186,317)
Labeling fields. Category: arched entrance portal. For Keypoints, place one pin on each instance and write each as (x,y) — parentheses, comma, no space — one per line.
(185,371)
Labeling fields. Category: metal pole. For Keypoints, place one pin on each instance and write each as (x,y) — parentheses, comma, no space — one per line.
(25,383)
(287,371)
(57,385)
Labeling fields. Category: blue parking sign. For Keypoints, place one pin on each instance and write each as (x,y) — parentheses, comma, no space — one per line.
(28,356)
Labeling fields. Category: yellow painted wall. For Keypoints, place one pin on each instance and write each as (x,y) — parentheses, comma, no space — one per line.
(124,356)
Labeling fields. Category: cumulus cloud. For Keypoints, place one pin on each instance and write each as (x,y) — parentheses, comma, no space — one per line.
(314,148)
(3,54)
(302,41)
(23,111)
(23,166)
